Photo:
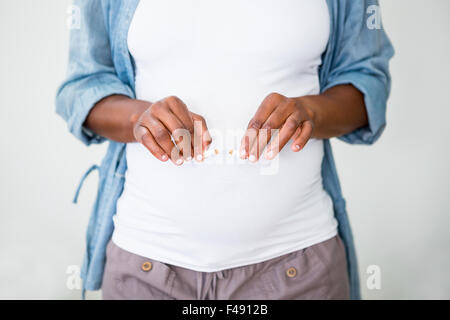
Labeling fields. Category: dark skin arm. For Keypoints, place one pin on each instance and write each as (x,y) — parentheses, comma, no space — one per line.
(337,111)
(122,119)
(114,117)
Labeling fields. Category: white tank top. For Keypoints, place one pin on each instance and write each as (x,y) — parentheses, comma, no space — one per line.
(222,58)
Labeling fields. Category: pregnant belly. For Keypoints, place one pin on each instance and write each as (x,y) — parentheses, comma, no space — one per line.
(227,201)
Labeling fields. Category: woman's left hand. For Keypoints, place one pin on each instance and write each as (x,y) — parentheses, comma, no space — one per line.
(280,118)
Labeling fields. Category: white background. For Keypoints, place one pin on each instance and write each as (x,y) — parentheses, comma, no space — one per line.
(397,191)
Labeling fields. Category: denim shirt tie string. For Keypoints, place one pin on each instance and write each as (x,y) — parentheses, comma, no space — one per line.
(83,178)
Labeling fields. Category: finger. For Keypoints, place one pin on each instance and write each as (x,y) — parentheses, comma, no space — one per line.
(258,143)
(143,136)
(260,117)
(202,138)
(304,136)
(177,130)
(163,138)
(288,130)
(179,108)
(249,135)
(182,138)
(273,124)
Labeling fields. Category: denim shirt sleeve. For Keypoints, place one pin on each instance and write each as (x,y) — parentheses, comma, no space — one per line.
(361,58)
(91,75)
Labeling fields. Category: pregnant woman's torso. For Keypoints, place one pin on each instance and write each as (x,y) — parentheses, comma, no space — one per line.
(222,58)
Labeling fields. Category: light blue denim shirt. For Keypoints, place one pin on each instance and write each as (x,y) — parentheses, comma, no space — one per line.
(100,65)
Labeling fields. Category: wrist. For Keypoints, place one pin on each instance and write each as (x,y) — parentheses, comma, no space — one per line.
(312,108)
(309,106)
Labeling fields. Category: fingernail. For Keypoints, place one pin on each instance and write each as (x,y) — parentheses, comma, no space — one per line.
(179,162)
(297,147)
(189,158)
(242,153)
(164,157)
(252,158)
(199,157)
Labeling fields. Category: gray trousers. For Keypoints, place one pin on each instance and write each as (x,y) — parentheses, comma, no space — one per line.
(316,272)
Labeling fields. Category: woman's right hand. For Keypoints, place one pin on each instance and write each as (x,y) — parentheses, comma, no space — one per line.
(170,131)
